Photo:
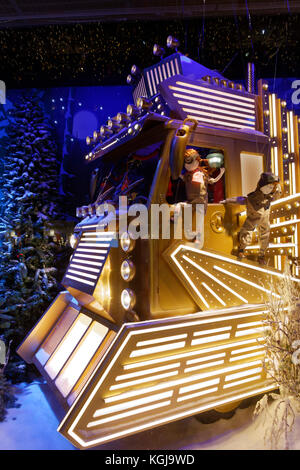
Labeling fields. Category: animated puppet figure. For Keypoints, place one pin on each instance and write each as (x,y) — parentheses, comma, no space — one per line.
(258,214)
(197,177)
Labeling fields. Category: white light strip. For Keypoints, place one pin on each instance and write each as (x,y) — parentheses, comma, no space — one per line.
(89,257)
(213,98)
(291,129)
(213,294)
(285,199)
(80,280)
(86,268)
(204,366)
(95,252)
(252,323)
(67,345)
(99,233)
(84,261)
(206,358)
(274,118)
(246,281)
(156,349)
(215,115)
(188,354)
(237,97)
(80,358)
(215,279)
(210,339)
(215,107)
(73,271)
(242,374)
(132,404)
(158,422)
(189,281)
(96,245)
(250,331)
(197,386)
(95,239)
(136,411)
(276,170)
(243,381)
(247,356)
(233,261)
(198,394)
(286,222)
(152,378)
(110,144)
(174,383)
(271,245)
(212,330)
(293,171)
(149,82)
(147,371)
(219,122)
(161,340)
(250,348)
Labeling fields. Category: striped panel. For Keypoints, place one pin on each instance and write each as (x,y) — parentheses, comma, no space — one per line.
(140,90)
(157,74)
(214,106)
(166,370)
(88,261)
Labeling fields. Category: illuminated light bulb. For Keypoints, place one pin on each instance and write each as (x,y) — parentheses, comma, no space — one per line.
(172,42)
(105,131)
(284,230)
(290,251)
(297,204)
(224,83)
(127,243)
(144,103)
(283,104)
(123,118)
(74,240)
(216,80)
(137,127)
(207,78)
(135,70)
(285,156)
(133,111)
(239,87)
(288,207)
(114,125)
(96,136)
(158,50)
(129,79)
(89,140)
(127,270)
(287,182)
(266,112)
(293,228)
(281,251)
(265,86)
(284,130)
(128,299)
(231,85)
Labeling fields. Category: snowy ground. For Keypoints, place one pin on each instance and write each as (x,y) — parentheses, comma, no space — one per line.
(32,426)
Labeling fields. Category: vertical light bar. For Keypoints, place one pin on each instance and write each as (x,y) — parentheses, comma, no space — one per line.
(80,359)
(67,345)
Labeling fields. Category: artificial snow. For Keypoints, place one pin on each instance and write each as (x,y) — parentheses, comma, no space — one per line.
(33,426)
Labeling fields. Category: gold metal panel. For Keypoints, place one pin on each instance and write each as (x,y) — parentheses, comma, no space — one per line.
(215,280)
(163,370)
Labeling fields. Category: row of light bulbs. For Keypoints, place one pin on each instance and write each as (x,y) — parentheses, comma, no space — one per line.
(159,51)
(121,120)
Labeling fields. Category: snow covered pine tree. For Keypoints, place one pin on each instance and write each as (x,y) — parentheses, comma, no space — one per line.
(28,278)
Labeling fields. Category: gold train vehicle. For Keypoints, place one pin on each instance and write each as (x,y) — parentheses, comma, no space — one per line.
(152,330)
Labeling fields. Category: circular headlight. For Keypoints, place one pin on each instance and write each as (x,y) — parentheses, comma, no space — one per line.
(127,243)
(128,299)
(73,240)
(127,270)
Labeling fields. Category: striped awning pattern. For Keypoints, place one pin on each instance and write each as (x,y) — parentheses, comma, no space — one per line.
(88,260)
(209,104)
